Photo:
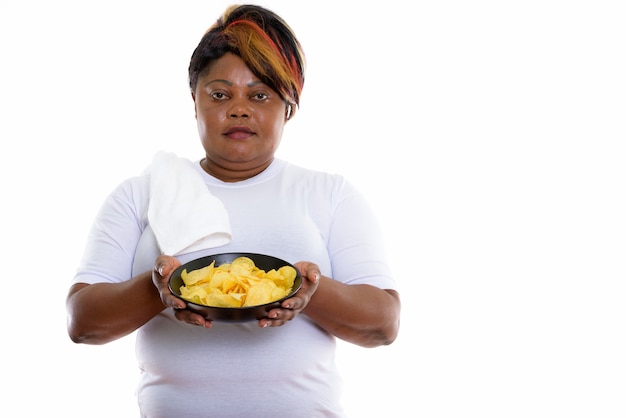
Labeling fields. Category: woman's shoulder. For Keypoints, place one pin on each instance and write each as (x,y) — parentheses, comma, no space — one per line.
(138,183)
(300,172)
(135,190)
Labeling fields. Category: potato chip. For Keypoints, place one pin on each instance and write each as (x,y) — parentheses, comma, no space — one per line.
(244,263)
(198,275)
(259,294)
(236,284)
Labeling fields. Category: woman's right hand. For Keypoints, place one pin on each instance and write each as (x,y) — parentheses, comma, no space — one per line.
(164,266)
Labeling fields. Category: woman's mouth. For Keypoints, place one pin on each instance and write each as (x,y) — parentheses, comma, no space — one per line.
(239,132)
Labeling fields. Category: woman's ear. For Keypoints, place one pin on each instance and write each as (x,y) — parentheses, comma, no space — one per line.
(195,110)
(289,111)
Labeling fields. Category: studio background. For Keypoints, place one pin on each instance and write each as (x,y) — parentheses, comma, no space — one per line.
(487,135)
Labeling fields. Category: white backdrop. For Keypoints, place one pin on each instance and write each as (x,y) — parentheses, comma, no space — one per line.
(488,136)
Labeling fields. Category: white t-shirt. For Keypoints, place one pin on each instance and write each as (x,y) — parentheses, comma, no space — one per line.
(241,370)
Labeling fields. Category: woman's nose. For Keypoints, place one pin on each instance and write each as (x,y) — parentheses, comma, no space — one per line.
(238,109)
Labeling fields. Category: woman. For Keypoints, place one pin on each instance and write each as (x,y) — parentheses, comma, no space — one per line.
(246,76)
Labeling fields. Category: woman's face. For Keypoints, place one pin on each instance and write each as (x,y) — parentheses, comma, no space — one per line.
(240,119)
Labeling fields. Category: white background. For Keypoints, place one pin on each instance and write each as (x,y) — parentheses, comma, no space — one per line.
(487,134)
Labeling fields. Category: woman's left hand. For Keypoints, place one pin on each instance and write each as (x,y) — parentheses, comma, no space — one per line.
(291,307)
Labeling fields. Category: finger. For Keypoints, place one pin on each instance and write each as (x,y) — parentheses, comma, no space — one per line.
(165,264)
(192,318)
(267,323)
(275,313)
(275,318)
(172,301)
(312,273)
(292,303)
(162,268)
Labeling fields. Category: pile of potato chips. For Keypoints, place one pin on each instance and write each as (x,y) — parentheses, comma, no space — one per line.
(236,284)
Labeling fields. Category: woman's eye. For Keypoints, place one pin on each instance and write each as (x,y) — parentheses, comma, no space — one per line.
(260,96)
(218,95)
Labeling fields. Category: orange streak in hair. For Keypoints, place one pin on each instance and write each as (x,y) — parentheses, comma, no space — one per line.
(257,29)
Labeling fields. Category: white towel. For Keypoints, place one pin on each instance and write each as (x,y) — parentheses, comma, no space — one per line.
(183,214)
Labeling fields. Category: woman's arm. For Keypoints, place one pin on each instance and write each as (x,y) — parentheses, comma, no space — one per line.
(361,314)
(357,304)
(103,312)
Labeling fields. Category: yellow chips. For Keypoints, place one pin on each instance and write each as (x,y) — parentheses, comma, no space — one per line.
(236,284)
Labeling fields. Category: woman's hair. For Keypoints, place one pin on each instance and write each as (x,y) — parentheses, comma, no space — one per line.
(263,40)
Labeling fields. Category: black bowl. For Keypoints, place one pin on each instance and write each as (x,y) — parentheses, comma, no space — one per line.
(244,314)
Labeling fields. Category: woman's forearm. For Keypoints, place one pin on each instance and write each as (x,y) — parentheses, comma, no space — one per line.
(103,312)
(361,314)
